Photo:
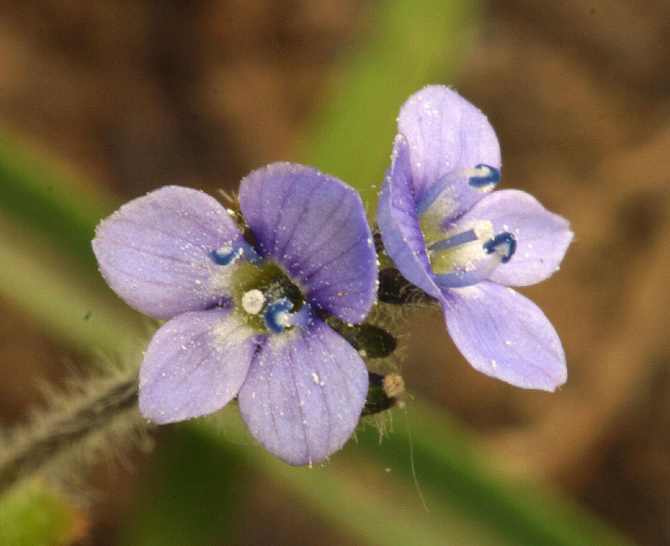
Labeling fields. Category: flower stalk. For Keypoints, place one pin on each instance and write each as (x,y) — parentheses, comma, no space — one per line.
(91,420)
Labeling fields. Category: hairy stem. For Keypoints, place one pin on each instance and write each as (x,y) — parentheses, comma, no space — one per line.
(66,426)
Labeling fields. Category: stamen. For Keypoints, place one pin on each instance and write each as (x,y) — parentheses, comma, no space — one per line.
(276,315)
(454,240)
(504,244)
(481,231)
(499,249)
(229,254)
(226,255)
(482,178)
(488,178)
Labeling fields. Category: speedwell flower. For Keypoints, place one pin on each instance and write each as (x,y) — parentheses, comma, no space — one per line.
(242,307)
(452,237)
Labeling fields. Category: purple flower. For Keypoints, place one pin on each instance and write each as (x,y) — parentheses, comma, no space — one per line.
(242,308)
(452,237)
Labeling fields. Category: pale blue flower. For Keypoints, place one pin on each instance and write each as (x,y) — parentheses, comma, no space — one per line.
(242,307)
(452,236)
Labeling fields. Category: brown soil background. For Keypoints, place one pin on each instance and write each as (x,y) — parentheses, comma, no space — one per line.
(198,92)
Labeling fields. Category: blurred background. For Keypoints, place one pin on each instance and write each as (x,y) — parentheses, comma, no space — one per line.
(103,101)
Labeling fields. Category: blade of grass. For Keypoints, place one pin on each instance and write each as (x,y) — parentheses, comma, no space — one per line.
(448,469)
(74,308)
(360,499)
(409,45)
(50,197)
(368,491)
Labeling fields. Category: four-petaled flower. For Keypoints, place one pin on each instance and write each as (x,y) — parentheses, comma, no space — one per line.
(453,238)
(242,307)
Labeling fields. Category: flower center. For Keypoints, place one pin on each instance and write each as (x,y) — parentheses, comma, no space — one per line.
(462,255)
(263,294)
(471,256)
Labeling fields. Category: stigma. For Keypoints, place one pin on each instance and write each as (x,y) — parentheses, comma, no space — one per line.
(253,301)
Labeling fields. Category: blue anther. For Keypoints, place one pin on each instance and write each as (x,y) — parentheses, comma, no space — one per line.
(228,255)
(490,176)
(480,178)
(225,256)
(275,317)
(504,240)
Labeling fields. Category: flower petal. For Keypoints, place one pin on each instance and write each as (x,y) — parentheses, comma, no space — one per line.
(194,365)
(399,225)
(315,226)
(505,335)
(542,237)
(155,251)
(446,133)
(304,394)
